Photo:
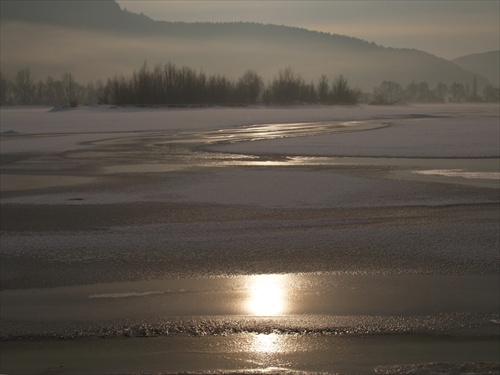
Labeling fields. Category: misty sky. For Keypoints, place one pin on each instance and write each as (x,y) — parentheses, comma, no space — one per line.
(446,29)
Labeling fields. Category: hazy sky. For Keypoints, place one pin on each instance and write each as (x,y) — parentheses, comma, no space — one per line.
(447,29)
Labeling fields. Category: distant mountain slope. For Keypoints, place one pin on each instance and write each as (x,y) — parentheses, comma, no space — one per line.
(486,64)
(89,14)
(97,39)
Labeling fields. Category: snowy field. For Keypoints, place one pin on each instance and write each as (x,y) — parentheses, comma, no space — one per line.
(459,141)
(460,130)
(332,239)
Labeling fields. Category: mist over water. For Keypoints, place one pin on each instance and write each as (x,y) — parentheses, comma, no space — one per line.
(91,55)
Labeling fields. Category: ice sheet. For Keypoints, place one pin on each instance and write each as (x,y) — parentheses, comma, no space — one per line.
(71,127)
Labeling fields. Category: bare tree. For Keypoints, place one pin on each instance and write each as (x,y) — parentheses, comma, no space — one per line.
(491,93)
(70,89)
(389,92)
(24,86)
(287,87)
(4,88)
(474,97)
(440,92)
(341,93)
(323,89)
(457,92)
(250,86)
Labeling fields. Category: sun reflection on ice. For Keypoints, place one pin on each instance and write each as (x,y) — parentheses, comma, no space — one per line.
(267,295)
(267,343)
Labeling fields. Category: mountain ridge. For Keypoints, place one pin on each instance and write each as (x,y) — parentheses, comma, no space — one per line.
(225,48)
(108,15)
(484,63)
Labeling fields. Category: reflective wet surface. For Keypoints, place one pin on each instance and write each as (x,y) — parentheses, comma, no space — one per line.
(279,298)
(176,251)
(256,324)
(188,151)
(256,354)
(160,152)
(184,150)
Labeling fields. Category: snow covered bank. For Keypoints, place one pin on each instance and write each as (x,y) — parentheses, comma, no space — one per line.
(452,137)
(476,123)
(36,120)
(456,132)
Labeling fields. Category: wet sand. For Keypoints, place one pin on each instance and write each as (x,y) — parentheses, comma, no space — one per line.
(370,267)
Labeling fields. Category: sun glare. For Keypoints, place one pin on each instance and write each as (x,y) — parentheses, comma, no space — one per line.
(266,295)
(267,343)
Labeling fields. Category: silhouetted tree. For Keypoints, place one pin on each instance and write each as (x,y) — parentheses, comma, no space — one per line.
(341,93)
(250,86)
(491,94)
(70,89)
(286,88)
(411,92)
(24,86)
(219,90)
(423,92)
(309,94)
(323,89)
(457,92)
(474,97)
(4,88)
(389,92)
(118,91)
(95,92)
(440,92)
(54,92)
(171,85)
(418,92)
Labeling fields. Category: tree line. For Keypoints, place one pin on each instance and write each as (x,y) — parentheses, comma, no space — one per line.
(390,92)
(22,89)
(169,85)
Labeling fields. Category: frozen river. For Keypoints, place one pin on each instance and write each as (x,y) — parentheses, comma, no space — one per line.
(250,240)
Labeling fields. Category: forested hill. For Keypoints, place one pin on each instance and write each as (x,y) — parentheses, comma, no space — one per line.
(106,15)
(96,39)
(487,64)
(96,15)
